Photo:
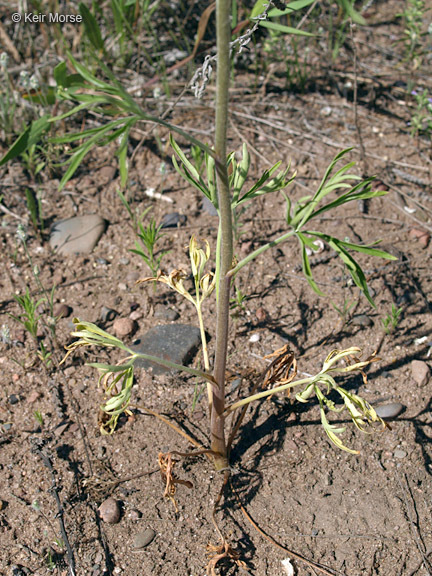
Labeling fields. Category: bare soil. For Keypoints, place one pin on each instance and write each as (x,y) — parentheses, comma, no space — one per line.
(355,515)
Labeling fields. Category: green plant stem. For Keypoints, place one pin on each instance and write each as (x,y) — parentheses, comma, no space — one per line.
(217,428)
(266,393)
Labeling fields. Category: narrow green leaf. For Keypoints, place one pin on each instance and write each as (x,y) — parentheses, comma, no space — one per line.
(60,74)
(91,27)
(28,138)
(307,270)
(365,249)
(285,29)
(291,7)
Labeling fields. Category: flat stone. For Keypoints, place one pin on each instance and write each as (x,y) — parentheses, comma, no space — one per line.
(398,453)
(77,235)
(389,410)
(174,342)
(420,372)
(143,539)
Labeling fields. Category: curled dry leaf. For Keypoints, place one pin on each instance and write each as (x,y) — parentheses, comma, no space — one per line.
(166,465)
(220,552)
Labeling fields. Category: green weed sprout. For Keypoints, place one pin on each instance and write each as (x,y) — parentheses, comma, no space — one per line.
(29,317)
(149,235)
(39,418)
(413,17)
(391,321)
(421,118)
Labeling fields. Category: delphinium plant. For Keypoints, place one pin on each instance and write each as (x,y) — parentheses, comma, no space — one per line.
(224,184)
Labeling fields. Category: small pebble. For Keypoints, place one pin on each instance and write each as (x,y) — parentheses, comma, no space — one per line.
(123,327)
(62,310)
(254,338)
(399,454)
(136,315)
(261,314)
(102,261)
(173,220)
(124,261)
(165,313)
(107,314)
(422,236)
(13,399)
(143,539)
(122,286)
(362,320)
(105,175)
(34,396)
(389,410)
(134,514)
(235,384)
(110,511)
(420,372)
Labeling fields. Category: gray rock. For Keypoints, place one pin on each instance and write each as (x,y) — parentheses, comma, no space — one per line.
(389,410)
(208,207)
(400,454)
(143,539)
(173,220)
(362,320)
(420,372)
(165,313)
(173,342)
(77,235)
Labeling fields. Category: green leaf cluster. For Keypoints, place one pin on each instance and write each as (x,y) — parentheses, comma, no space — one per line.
(353,188)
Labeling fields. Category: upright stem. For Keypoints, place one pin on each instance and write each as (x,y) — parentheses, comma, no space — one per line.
(218,443)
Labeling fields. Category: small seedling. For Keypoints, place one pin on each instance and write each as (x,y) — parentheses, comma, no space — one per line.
(39,418)
(391,321)
(421,118)
(237,304)
(344,312)
(413,17)
(149,235)
(29,317)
